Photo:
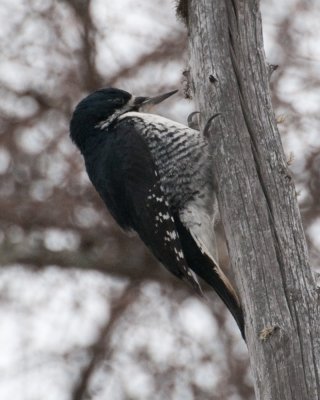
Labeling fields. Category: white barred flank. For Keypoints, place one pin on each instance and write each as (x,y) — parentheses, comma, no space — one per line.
(180,155)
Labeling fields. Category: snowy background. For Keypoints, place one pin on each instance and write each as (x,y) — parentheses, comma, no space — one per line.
(85,311)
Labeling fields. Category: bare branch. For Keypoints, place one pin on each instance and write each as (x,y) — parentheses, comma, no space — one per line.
(100,350)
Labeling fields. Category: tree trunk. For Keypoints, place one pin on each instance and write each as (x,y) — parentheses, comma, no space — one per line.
(257,198)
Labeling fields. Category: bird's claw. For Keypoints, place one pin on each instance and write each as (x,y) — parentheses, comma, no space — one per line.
(193,123)
(208,124)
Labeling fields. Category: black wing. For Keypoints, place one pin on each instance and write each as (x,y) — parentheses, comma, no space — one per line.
(127,180)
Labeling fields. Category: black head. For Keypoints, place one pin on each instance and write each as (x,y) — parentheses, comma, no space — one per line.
(102,108)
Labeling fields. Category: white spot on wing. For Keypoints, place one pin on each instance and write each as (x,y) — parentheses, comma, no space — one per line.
(171,235)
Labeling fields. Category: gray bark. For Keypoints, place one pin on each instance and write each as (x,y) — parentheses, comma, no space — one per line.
(257,198)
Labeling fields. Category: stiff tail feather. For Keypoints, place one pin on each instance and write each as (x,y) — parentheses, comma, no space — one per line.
(203,265)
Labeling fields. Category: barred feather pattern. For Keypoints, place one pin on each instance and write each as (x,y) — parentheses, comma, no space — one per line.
(181,157)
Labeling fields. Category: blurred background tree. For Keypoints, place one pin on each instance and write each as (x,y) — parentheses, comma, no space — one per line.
(86,311)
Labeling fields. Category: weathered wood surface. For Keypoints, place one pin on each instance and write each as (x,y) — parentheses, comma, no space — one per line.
(257,199)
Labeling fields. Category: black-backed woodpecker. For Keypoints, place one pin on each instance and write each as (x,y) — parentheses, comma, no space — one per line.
(155,177)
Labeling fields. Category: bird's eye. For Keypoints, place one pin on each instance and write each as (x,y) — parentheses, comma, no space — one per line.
(116,102)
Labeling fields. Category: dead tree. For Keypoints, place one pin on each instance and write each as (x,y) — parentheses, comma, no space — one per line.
(257,198)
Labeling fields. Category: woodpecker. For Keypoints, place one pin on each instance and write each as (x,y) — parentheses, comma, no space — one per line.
(155,177)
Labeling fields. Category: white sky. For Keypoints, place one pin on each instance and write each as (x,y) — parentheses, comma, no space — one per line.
(47,314)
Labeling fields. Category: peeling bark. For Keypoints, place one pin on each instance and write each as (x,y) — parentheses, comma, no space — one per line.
(257,198)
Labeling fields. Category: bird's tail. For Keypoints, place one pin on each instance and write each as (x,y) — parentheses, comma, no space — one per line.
(210,272)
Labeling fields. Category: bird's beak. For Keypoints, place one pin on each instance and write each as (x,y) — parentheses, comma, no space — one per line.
(145,103)
(158,99)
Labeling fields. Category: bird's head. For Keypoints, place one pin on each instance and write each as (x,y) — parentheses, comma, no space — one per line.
(101,108)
